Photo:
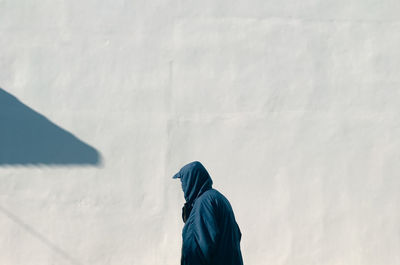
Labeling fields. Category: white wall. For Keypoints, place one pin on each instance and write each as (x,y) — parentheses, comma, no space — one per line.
(292,106)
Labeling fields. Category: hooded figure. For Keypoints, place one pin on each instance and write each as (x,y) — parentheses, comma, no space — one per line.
(211,235)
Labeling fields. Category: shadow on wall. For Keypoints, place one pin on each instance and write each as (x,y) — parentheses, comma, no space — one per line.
(39,236)
(27,137)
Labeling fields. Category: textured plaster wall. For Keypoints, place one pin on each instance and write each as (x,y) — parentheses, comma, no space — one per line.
(293,106)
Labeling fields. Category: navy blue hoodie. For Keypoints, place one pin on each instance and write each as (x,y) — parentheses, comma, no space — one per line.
(211,235)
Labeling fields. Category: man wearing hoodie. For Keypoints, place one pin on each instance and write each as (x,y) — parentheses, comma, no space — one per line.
(210,235)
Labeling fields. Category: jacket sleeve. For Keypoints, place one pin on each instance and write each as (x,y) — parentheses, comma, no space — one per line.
(201,235)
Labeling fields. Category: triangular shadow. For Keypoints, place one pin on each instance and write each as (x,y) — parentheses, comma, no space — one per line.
(27,137)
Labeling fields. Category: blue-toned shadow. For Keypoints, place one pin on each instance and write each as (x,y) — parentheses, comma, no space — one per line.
(27,137)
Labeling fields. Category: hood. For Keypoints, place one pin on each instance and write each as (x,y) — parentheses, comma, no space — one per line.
(195,180)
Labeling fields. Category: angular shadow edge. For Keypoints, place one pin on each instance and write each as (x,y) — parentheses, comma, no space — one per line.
(29,138)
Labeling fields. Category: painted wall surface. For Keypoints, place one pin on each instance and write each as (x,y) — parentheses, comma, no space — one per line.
(292,106)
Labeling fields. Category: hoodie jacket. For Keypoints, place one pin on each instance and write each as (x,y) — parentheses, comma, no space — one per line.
(211,235)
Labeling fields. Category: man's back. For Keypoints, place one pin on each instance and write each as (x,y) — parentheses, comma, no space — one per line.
(212,226)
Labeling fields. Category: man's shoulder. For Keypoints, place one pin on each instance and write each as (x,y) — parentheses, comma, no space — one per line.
(213,200)
(211,195)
